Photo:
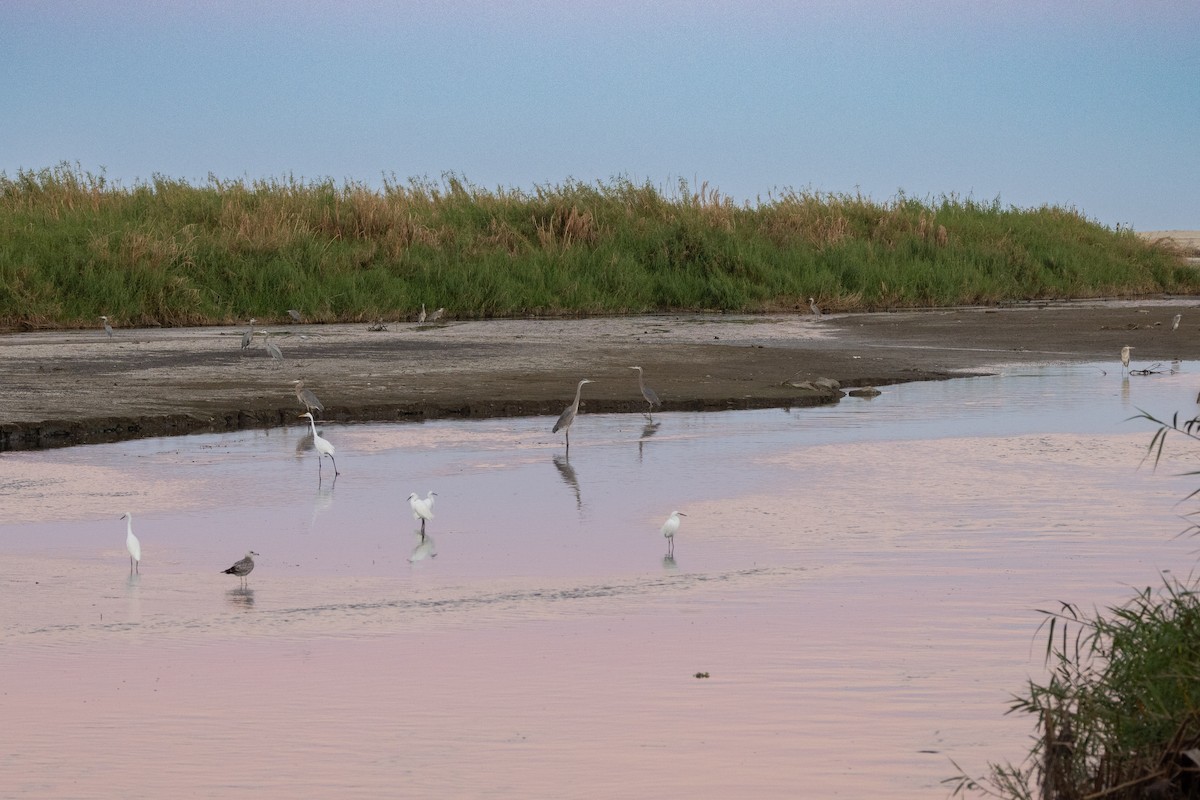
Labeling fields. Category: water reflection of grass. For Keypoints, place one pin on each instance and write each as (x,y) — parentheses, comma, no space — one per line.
(168,252)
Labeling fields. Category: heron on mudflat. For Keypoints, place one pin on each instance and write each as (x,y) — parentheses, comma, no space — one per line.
(323,445)
(669,528)
(647,393)
(307,398)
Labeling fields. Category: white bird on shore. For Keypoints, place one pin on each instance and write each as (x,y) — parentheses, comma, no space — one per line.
(132,544)
(669,528)
(1175,322)
(1125,356)
(323,445)
(422,510)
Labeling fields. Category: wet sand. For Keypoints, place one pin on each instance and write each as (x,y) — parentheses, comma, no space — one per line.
(73,387)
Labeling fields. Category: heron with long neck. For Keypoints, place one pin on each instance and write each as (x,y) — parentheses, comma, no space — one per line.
(568,415)
(647,393)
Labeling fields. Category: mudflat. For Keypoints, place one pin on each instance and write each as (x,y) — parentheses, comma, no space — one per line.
(71,387)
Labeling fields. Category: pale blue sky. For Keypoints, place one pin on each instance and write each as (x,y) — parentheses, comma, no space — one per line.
(1094,105)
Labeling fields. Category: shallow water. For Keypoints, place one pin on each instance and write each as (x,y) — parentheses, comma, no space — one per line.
(859,582)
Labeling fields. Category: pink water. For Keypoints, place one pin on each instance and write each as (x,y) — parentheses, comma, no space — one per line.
(860,584)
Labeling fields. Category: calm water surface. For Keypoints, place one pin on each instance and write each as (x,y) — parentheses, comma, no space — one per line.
(859,582)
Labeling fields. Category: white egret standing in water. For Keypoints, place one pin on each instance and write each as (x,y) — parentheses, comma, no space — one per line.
(647,392)
(243,567)
(132,544)
(669,528)
(421,509)
(324,448)
(1175,322)
(1125,356)
(568,415)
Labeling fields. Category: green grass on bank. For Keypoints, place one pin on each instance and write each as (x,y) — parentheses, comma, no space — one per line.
(74,246)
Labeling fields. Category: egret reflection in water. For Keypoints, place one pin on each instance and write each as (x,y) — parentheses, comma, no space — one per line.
(567,472)
(424,548)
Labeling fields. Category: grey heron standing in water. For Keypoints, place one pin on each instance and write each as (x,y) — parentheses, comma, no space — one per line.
(813,307)
(107,327)
(307,398)
(324,447)
(248,336)
(132,544)
(568,415)
(669,528)
(242,567)
(1125,356)
(647,393)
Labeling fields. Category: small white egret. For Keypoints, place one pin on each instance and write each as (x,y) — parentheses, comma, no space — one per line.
(1175,322)
(243,567)
(422,510)
(647,392)
(1125,356)
(107,327)
(307,398)
(421,316)
(324,448)
(132,544)
(813,307)
(568,415)
(669,528)
(249,334)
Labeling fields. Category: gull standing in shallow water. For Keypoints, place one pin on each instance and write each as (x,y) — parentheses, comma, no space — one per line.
(243,567)
(132,544)
(568,415)
(669,528)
